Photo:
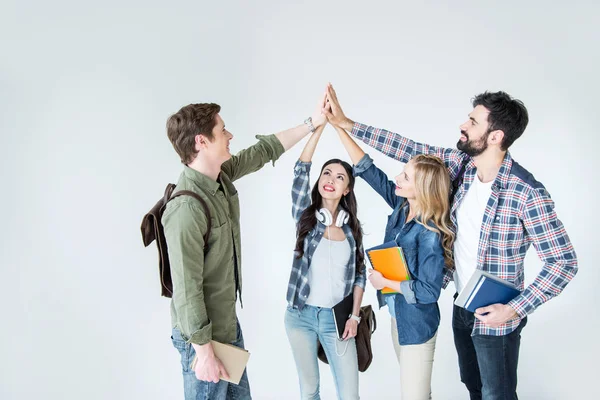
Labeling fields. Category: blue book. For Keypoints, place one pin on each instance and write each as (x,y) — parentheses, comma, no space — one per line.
(484,289)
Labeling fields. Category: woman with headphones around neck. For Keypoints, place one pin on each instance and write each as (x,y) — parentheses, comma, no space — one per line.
(328,266)
(420,225)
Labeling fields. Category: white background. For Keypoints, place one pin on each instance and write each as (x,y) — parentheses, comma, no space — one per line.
(85,91)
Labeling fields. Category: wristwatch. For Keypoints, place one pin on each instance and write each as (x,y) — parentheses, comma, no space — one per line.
(308,121)
(354,317)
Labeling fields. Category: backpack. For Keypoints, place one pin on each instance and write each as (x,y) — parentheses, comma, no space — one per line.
(368,325)
(152,229)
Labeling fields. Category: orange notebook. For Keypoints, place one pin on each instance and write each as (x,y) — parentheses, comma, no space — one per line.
(390,262)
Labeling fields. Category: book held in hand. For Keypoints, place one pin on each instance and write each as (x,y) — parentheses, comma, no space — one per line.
(484,289)
(341,313)
(234,360)
(389,259)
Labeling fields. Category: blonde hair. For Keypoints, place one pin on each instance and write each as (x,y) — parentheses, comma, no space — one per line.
(432,189)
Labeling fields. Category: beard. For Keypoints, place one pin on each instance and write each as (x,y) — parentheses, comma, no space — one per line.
(473,148)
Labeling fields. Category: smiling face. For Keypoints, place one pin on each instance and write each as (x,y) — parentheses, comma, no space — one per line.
(333,182)
(217,149)
(474,132)
(405,182)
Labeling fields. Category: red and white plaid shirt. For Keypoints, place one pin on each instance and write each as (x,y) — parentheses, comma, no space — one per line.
(519,212)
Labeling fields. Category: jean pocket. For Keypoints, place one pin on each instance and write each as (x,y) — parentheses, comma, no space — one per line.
(179,344)
(291,315)
(184,349)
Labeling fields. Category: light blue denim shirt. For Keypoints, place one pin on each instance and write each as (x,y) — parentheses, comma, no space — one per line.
(416,309)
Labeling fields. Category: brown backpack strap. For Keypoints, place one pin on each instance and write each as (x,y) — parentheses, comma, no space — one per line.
(204,205)
(168,192)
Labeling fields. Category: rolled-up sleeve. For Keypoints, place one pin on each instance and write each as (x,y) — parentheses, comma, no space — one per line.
(364,164)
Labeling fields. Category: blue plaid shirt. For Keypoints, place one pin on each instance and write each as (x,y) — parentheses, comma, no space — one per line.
(298,288)
(519,213)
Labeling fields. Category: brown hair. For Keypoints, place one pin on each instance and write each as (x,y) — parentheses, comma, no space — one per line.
(185,124)
(432,185)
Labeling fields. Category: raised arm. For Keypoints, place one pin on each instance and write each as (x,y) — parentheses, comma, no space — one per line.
(366,169)
(301,183)
(311,145)
(353,149)
(253,158)
(389,143)
(270,148)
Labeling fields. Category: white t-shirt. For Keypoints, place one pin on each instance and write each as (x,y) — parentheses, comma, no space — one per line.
(469,218)
(327,272)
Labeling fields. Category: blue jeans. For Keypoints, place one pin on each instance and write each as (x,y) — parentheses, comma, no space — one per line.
(303,329)
(488,364)
(195,389)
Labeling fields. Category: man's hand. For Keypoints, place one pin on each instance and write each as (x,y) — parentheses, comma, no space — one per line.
(351,329)
(334,112)
(495,315)
(318,117)
(208,367)
(376,279)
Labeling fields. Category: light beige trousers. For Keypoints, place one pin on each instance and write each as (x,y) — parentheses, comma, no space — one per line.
(416,363)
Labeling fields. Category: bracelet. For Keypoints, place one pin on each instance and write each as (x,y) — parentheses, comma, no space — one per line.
(354,317)
(308,121)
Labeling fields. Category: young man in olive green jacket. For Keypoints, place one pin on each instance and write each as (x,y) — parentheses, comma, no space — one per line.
(206,285)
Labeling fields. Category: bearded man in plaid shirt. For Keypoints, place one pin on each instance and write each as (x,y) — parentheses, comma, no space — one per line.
(499,210)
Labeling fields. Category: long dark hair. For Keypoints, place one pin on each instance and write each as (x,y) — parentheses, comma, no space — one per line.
(308,220)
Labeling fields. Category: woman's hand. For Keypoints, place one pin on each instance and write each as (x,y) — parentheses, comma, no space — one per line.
(333,110)
(351,329)
(376,279)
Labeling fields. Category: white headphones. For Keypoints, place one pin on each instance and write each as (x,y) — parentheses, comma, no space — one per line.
(324,216)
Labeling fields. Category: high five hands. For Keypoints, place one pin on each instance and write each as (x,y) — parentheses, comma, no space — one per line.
(333,111)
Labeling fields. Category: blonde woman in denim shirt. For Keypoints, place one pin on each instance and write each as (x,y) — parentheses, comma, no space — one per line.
(328,266)
(420,224)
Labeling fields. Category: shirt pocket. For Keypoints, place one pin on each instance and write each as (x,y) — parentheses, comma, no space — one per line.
(506,228)
(391,222)
(412,260)
(234,204)
(226,210)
